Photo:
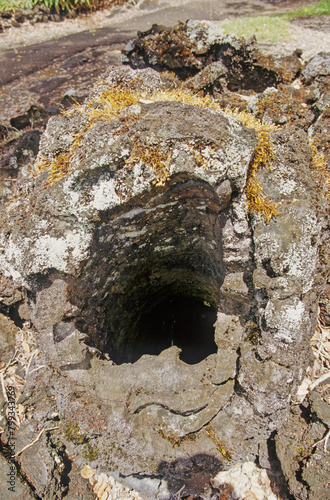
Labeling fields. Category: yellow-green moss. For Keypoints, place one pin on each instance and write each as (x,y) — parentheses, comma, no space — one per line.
(177,441)
(220,446)
(151,155)
(258,201)
(90,452)
(74,434)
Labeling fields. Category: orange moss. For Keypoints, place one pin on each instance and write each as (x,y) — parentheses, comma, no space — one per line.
(153,156)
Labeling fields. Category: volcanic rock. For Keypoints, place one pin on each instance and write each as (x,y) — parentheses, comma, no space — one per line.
(188,48)
(172,303)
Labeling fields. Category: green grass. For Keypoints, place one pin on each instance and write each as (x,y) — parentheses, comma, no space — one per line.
(274,27)
(264,27)
(318,9)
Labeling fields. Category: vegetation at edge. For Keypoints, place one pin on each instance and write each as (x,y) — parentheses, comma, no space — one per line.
(274,27)
(58,5)
(318,9)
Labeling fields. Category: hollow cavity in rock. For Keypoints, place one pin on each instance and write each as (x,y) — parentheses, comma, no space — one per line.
(155,277)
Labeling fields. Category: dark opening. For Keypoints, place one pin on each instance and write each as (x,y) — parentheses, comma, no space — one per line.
(154,277)
(181,321)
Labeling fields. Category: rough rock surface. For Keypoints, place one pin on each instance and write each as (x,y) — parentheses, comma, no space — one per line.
(142,243)
(18,156)
(7,340)
(188,48)
(306,468)
(230,68)
(22,491)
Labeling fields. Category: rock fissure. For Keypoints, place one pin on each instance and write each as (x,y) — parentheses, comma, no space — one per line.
(230,379)
(64,465)
(185,413)
(5,452)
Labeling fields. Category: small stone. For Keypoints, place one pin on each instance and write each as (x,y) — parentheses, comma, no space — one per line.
(87,472)
(317,66)
(24,311)
(20,122)
(258,492)
(249,468)
(264,478)
(250,496)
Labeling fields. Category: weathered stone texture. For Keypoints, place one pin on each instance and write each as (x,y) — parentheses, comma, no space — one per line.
(151,223)
(202,47)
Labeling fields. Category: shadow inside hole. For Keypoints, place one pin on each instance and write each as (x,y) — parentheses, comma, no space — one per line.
(181,321)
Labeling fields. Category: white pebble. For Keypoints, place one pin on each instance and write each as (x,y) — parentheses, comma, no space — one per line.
(259,492)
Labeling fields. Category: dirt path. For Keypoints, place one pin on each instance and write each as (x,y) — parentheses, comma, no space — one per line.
(138,14)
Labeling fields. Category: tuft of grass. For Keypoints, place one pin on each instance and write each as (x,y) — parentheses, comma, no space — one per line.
(274,27)
(110,102)
(59,168)
(318,9)
(268,28)
(151,155)
(13,5)
(258,201)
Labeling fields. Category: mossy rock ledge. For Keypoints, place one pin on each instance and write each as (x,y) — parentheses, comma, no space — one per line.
(133,240)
